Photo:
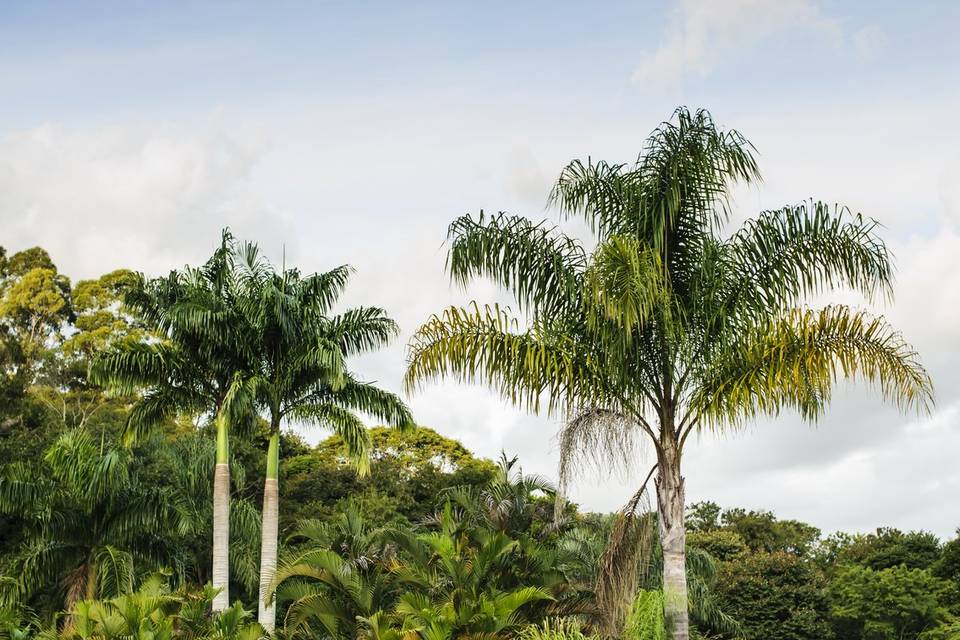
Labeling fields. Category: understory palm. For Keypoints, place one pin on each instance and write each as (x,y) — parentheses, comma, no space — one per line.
(90,522)
(668,327)
(458,581)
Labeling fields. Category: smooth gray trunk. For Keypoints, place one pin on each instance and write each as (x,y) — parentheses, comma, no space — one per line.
(221,536)
(670,503)
(266,614)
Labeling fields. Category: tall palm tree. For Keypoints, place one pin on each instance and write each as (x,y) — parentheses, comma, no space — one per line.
(195,368)
(668,327)
(300,373)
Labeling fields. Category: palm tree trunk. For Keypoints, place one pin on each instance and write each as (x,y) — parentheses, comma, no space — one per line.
(266,614)
(670,503)
(92,570)
(221,519)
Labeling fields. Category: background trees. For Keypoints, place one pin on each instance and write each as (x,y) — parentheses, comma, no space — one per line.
(432,541)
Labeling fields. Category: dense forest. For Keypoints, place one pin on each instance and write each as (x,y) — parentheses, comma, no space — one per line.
(106,538)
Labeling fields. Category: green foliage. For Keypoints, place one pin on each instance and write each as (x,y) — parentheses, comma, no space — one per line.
(458,580)
(887,548)
(557,629)
(645,620)
(154,612)
(775,596)
(87,517)
(408,470)
(703,517)
(763,532)
(887,604)
(948,566)
(721,544)
(101,319)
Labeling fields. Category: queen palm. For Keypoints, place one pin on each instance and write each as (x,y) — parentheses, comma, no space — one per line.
(669,326)
(195,367)
(300,374)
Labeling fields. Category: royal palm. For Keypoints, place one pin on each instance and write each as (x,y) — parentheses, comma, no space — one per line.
(300,373)
(670,326)
(195,366)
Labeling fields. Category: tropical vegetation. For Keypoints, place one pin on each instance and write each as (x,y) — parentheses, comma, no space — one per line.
(154,483)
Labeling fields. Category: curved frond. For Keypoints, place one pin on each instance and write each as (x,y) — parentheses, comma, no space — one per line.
(362,329)
(795,361)
(539,265)
(479,345)
(784,255)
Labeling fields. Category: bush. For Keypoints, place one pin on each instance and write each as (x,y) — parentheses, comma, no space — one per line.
(889,604)
(775,596)
(721,544)
(555,629)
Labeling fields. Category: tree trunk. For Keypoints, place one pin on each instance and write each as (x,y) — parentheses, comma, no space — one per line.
(266,614)
(670,502)
(92,578)
(221,519)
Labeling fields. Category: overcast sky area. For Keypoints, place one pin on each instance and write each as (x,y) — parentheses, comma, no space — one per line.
(354,132)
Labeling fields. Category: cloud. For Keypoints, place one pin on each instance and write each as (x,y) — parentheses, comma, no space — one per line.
(703,33)
(145,196)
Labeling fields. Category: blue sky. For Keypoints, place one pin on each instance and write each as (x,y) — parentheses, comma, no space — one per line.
(130,133)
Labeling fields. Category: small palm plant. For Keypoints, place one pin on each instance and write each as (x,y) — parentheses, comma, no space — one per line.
(154,611)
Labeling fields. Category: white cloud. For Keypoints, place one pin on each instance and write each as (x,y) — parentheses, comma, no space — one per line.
(141,196)
(703,33)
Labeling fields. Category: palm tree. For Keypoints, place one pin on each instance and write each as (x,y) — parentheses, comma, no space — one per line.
(300,374)
(195,368)
(668,327)
(188,461)
(87,519)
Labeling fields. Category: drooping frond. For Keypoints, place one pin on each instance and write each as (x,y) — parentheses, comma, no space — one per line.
(115,571)
(360,330)
(535,262)
(341,422)
(626,561)
(158,404)
(794,362)
(479,345)
(369,399)
(780,257)
(603,440)
(131,366)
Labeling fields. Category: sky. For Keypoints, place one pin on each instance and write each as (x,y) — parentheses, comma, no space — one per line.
(354,132)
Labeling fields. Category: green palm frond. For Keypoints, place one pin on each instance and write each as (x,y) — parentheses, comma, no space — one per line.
(360,330)
(782,256)
(796,360)
(481,345)
(534,261)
